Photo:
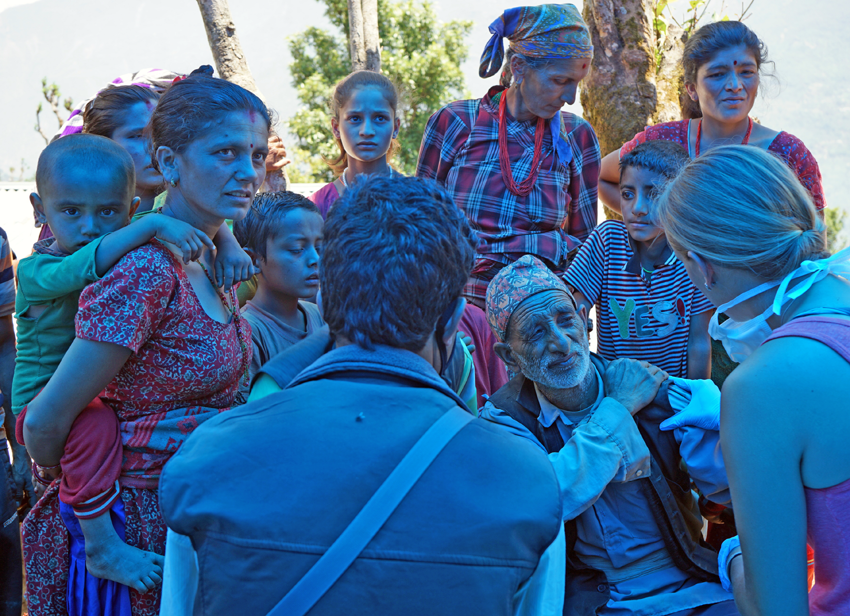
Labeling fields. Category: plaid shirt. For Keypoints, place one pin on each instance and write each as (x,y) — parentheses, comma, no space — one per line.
(460,149)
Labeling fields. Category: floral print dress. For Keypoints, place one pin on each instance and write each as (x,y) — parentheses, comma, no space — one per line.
(185,369)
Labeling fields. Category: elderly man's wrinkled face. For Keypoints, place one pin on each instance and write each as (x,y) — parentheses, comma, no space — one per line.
(548,340)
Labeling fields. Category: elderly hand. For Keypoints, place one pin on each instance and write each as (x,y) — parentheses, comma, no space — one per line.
(632,383)
(703,411)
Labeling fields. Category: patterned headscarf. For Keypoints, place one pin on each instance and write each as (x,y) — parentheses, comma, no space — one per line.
(514,284)
(545,31)
(154,78)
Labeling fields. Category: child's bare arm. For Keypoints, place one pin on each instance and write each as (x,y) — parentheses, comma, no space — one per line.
(189,240)
(232,264)
(699,346)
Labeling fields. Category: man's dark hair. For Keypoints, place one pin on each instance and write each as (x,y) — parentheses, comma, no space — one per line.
(663,157)
(397,252)
(265,218)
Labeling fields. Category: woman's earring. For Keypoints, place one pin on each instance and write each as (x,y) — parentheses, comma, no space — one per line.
(173,182)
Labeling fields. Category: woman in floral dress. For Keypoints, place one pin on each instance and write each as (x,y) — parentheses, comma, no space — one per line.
(156,338)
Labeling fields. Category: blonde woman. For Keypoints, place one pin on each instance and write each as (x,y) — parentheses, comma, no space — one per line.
(751,240)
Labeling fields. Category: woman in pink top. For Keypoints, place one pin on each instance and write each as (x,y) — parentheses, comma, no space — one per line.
(749,235)
(722,65)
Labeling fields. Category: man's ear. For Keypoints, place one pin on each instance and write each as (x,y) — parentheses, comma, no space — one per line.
(38,206)
(134,205)
(453,323)
(166,160)
(705,268)
(504,351)
(582,315)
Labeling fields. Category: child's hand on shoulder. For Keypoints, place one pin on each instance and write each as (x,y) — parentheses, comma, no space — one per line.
(190,241)
(233,265)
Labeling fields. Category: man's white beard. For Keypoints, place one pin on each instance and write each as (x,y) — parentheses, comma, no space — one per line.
(540,373)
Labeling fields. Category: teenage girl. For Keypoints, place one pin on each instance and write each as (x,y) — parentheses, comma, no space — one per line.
(365,125)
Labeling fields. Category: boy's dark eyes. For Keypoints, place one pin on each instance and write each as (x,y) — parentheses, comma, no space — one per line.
(627,194)
(71,211)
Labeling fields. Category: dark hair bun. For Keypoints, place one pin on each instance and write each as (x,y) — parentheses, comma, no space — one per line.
(206,70)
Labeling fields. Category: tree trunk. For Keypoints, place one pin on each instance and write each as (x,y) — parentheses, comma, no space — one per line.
(224,44)
(371,36)
(619,96)
(364,40)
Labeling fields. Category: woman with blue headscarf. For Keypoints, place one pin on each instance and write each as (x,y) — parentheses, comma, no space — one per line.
(524,172)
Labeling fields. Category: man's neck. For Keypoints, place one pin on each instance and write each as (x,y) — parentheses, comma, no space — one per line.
(575,398)
(284,307)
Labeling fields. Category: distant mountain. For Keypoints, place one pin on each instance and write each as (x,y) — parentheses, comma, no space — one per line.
(83,44)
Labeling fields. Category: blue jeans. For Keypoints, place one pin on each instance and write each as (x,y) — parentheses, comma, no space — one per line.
(11,577)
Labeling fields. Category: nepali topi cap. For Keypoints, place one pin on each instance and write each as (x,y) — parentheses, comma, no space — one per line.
(514,284)
(545,31)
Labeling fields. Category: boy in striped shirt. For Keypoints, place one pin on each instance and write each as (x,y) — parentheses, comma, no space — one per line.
(647,307)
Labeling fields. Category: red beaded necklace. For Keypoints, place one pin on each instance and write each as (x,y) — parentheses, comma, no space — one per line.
(505,162)
(699,135)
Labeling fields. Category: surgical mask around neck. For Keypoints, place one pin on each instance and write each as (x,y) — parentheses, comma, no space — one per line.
(741,338)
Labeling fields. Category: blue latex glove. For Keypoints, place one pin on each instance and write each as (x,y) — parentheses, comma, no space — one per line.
(703,411)
(728,550)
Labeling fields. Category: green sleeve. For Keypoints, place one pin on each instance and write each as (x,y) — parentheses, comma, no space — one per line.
(43,277)
(263,386)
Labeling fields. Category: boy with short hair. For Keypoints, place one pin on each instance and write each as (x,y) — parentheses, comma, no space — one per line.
(647,307)
(283,235)
(85,187)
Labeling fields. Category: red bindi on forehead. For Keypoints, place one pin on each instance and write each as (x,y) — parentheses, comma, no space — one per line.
(735,63)
(584,65)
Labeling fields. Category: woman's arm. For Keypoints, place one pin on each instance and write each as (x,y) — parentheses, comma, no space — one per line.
(699,346)
(762,444)
(609,181)
(85,370)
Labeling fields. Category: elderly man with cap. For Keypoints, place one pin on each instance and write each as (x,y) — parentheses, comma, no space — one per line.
(524,172)
(633,533)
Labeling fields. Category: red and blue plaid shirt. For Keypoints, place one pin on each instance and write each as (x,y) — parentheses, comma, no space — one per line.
(460,149)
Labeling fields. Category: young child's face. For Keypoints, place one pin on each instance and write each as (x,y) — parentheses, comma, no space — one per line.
(291,266)
(81,204)
(638,188)
(366,124)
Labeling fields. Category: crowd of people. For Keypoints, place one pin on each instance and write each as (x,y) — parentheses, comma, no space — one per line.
(223,398)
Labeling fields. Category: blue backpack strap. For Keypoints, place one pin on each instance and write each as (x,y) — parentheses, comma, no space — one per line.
(354,539)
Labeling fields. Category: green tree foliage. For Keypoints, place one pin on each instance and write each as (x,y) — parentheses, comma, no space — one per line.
(836,220)
(420,55)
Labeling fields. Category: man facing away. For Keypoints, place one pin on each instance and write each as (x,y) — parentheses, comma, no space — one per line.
(263,491)
(634,546)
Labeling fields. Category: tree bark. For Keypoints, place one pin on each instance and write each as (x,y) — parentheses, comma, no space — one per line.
(619,95)
(364,40)
(371,35)
(356,35)
(224,44)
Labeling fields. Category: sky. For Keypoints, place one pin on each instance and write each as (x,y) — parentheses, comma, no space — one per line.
(84,44)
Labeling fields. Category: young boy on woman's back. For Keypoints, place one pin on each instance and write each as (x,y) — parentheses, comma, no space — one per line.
(85,189)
